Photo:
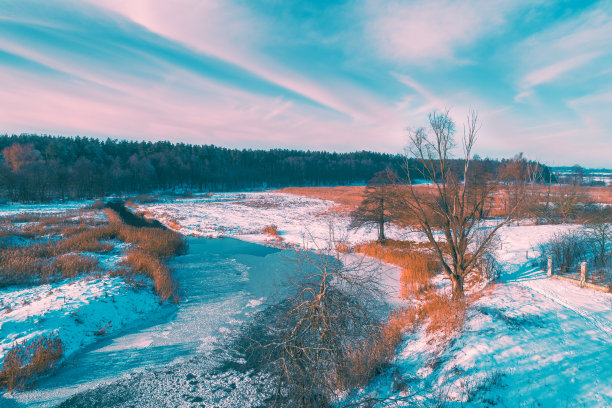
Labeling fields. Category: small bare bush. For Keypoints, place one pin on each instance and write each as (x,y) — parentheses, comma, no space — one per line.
(271,230)
(312,341)
(567,249)
(29,359)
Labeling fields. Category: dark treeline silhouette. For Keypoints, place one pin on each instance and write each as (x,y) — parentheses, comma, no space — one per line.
(42,168)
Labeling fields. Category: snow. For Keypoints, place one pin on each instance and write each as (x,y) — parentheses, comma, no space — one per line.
(244,215)
(73,310)
(13,209)
(529,341)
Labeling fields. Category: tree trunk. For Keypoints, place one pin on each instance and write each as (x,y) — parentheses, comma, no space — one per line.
(381,231)
(457,282)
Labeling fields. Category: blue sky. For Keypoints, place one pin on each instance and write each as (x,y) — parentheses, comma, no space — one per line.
(330,75)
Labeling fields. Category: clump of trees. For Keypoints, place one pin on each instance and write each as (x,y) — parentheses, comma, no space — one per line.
(40,168)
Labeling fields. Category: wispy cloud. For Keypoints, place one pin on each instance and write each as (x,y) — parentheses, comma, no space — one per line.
(580,44)
(423,32)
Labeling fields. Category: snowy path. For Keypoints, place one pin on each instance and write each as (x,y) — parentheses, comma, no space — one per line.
(532,342)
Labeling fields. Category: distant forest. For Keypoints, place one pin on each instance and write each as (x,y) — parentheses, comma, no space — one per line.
(43,168)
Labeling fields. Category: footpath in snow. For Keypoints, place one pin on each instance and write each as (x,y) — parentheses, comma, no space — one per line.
(532,341)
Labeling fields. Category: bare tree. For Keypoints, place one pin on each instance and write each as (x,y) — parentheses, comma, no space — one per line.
(514,175)
(376,210)
(331,308)
(452,211)
(568,200)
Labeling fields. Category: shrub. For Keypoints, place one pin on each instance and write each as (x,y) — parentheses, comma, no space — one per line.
(271,230)
(97,205)
(30,359)
(567,250)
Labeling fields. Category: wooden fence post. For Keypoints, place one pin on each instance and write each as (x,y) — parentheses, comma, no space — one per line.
(583,273)
(549,271)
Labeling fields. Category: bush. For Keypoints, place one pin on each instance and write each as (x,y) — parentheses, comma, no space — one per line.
(310,341)
(271,230)
(567,249)
(97,205)
(30,359)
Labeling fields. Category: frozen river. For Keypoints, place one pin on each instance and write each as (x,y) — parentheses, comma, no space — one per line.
(223,282)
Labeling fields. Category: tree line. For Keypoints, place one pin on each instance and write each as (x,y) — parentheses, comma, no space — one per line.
(42,168)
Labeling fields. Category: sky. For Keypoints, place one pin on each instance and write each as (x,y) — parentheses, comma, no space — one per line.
(319,75)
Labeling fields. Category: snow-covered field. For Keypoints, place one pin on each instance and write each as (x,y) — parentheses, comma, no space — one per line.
(530,341)
(244,215)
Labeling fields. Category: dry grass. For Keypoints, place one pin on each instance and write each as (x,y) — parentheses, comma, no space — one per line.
(30,359)
(159,242)
(60,254)
(349,197)
(271,230)
(72,265)
(143,263)
(445,314)
(369,357)
(418,266)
